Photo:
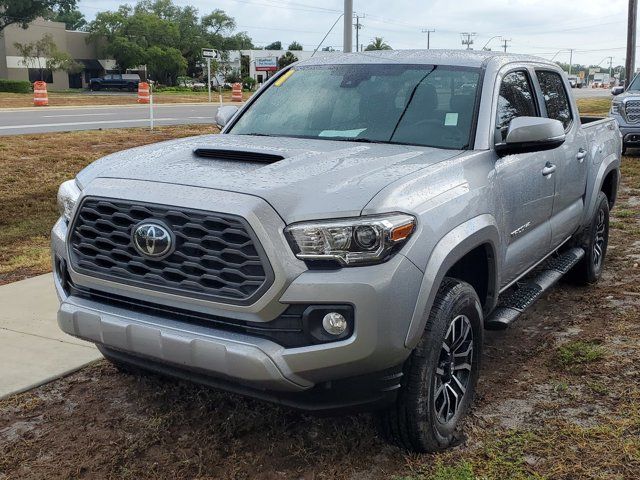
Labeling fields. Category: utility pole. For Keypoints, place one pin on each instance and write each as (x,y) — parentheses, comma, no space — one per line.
(505,43)
(348,27)
(467,39)
(570,60)
(358,26)
(428,32)
(630,62)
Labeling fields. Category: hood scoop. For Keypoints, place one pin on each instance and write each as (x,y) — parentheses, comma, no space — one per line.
(237,155)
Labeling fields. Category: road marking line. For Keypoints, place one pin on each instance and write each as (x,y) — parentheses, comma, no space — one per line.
(78,115)
(72,124)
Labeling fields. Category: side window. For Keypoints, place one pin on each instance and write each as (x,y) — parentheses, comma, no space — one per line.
(515,100)
(555,97)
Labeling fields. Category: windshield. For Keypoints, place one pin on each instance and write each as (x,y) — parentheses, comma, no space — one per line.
(635,85)
(405,104)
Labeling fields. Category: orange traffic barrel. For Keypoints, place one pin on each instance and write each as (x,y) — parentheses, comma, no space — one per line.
(40,97)
(236,92)
(143,92)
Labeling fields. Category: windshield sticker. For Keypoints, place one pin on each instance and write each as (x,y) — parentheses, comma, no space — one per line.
(341,133)
(284,78)
(451,120)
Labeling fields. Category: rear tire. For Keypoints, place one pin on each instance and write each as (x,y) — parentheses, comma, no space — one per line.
(439,386)
(594,242)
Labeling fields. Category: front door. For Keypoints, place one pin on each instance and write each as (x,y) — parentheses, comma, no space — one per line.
(570,159)
(526,189)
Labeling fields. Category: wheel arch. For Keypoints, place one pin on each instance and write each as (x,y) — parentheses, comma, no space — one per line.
(466,246)
(606,180)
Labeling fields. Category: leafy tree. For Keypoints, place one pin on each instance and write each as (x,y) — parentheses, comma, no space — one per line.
(295,46)
(23,12)
(378,43)
(44,55)
(165,65)
(274,46)
(130,33)
(287,59)
(71,17)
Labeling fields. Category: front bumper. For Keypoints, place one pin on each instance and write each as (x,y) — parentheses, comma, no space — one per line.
(383,298)
(630,132)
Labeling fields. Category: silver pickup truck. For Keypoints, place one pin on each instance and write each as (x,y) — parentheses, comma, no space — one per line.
(347,238)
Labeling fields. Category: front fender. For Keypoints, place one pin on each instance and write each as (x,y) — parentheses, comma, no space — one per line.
(477,231)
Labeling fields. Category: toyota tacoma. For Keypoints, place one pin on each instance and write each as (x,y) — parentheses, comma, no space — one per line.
(348,237)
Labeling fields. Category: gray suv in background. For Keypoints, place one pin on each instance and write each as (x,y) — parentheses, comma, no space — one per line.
(348,237)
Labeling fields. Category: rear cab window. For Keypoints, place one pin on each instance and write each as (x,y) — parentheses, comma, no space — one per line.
(515,99)
(555,96)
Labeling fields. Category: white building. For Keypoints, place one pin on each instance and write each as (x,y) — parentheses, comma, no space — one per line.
(264,63)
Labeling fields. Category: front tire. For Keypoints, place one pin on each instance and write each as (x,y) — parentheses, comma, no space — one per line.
(594,242)
(440,375)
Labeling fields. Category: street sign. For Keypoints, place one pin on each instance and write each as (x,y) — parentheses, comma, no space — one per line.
(266,64)
(209,53)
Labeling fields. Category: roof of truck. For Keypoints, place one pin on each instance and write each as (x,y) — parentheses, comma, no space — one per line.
(463,58)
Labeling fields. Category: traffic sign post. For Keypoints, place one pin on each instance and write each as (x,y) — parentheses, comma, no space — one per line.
(209,53)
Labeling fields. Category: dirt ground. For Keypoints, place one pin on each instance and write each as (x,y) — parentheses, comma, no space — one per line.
(559,398)
(61,99)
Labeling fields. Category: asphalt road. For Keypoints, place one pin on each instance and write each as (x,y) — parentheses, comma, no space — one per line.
(21,120)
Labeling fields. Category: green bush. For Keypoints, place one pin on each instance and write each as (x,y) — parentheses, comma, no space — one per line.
(15,86)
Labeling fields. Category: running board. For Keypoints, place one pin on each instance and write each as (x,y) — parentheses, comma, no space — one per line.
(517,299)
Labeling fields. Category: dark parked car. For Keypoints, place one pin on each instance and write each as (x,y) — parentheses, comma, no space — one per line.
(129,81)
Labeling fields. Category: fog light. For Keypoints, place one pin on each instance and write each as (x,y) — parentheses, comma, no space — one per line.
(334,323)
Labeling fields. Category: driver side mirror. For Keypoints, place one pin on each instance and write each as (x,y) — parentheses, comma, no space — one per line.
(531,134)
(225,114)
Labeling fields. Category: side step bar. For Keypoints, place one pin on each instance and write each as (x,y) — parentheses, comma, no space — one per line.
(517,299)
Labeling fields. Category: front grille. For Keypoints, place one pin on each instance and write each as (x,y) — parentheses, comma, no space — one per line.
(216,257)
(632,111)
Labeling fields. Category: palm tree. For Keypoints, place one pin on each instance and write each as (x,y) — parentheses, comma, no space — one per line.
(378,43)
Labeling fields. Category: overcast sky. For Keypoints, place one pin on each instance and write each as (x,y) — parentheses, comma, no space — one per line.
(594,28)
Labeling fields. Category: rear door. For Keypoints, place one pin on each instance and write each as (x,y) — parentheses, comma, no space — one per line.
(526,194)
(570,159)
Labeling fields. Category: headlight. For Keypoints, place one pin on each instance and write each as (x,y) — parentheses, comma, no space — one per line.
(351,242)
(68,195)
(615,107)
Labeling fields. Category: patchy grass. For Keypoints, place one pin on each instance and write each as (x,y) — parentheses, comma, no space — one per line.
(24,100)
(580,352)
(31,169)
(597,107)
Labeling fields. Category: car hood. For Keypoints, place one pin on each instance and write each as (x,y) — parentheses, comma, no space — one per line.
(315,179)
(628,94)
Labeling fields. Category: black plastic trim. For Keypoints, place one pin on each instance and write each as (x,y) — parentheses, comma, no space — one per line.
(346,395)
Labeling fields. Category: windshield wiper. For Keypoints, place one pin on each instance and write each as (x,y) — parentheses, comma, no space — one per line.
(359,140)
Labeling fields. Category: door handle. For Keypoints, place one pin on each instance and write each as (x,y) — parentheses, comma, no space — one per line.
(582,154)
(548,169)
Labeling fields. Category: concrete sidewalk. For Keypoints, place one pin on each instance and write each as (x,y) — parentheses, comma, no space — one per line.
(33,350)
